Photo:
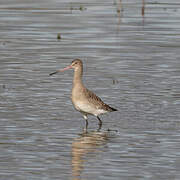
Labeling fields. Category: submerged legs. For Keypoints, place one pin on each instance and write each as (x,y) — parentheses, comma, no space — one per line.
(86,118)
(100,123)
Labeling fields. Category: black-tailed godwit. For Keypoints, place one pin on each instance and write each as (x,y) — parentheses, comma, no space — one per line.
(83,99)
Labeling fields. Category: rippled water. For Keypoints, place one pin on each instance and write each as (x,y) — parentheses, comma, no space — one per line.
(131,56)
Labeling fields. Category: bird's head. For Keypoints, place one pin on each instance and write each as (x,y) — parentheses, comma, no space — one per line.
(76,64)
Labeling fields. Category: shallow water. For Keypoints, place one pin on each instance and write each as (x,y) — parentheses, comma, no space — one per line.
(131,60)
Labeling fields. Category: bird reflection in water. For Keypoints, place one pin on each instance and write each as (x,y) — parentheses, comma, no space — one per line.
(88,142)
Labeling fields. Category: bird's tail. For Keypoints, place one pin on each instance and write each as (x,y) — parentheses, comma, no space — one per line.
(113,109)
(108,108)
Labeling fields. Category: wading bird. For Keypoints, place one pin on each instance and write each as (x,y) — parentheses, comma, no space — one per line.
(83,99)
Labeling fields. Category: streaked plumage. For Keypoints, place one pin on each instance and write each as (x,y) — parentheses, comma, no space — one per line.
(83,99)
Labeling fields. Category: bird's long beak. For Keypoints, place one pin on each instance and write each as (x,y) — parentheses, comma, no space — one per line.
(61,70)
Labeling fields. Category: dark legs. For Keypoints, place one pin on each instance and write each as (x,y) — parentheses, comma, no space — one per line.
(100,123)
(86,123)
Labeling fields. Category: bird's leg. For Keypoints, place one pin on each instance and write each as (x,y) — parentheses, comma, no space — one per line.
(86,123)
(100,123)
(85,117)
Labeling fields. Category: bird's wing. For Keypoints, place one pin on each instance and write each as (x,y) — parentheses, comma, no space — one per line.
(92,98)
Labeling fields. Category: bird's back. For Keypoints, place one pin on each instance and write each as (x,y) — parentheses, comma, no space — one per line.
(94,99)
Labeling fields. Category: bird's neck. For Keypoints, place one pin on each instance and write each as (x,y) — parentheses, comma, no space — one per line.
(77,80)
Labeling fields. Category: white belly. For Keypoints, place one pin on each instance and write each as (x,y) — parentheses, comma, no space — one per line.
(88,108)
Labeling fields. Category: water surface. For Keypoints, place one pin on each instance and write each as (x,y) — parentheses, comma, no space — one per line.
(131,56)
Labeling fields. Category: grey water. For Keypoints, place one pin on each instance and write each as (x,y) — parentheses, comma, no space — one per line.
(131,56)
